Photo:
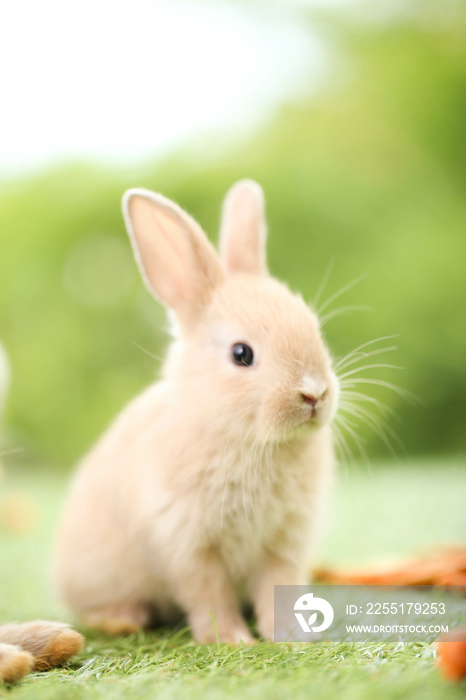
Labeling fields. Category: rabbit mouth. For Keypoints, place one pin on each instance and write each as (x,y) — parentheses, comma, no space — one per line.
(315,420)
(319,415)
(314,412)
(315,407)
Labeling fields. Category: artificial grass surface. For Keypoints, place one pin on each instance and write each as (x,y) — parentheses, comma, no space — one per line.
(385,512)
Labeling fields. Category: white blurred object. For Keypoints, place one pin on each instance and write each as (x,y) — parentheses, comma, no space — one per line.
(123,82)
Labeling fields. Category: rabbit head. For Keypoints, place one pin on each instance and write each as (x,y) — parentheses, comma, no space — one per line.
(248,353)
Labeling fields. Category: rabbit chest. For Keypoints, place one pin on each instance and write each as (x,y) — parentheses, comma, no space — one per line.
(241,503)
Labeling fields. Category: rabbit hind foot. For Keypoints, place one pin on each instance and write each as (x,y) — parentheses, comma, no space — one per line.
(119,619)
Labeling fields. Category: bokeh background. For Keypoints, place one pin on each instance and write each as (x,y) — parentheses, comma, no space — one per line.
(352,116)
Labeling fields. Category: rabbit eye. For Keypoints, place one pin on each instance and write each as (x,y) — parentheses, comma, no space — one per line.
(242,354)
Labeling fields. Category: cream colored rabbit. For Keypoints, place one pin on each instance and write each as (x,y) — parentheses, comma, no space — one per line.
(207,490)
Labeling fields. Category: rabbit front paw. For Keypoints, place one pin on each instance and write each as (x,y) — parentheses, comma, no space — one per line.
(225,631)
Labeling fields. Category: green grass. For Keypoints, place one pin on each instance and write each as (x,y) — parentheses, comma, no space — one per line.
(387,511)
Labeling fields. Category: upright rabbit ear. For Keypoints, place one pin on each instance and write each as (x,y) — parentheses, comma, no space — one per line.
(243,233)
(177,262)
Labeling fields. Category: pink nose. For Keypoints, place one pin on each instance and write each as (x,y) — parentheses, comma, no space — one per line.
(310,399)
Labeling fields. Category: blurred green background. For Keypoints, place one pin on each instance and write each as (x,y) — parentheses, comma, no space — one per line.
(365,175)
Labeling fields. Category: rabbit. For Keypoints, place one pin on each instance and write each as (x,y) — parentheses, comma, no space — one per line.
(209,488)
(35,645)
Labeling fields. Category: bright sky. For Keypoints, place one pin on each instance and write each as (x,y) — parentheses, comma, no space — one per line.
(122,80)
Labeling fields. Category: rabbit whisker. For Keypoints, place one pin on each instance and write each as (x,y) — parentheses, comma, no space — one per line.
(362,356)
(365,345)
(341,291)
(147,352)
(293,359)
(356,397)
(375,424)
(323,282)
(404,393)
(358,441)
(364,367)
(341,311)
(345,454)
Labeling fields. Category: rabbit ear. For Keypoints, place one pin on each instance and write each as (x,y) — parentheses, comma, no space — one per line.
(177,262)
(243,232)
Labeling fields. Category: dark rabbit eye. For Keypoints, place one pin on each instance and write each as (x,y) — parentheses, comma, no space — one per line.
(242,354)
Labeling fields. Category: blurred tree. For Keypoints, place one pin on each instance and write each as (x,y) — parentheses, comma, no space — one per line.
(370,174)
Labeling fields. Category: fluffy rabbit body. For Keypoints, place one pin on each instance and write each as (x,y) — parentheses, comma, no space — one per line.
(208,488)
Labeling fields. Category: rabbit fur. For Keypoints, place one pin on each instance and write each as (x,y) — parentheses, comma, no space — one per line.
(208,489)
(35,645)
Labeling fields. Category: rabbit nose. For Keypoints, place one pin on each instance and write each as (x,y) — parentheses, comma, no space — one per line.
(312,399)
